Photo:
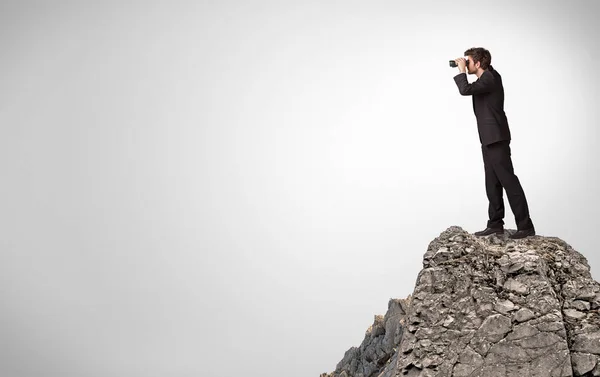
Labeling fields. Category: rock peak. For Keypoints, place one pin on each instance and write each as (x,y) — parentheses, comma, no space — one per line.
(487,307)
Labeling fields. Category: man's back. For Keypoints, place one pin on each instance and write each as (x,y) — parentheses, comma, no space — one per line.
(488,105)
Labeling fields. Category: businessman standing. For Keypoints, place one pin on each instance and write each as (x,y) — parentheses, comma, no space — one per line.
(494,134)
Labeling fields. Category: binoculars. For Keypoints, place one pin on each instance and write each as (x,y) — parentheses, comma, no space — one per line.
(453,63)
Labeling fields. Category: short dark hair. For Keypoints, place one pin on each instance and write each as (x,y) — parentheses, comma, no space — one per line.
(481,55)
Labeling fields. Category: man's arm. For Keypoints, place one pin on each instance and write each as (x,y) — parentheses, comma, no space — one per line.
(485,84)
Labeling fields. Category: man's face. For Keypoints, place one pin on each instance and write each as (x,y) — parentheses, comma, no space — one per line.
(469,64)
(471,67)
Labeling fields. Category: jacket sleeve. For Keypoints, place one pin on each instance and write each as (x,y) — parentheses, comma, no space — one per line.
(484,84)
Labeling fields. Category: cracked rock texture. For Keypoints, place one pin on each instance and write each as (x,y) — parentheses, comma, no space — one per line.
(487,307)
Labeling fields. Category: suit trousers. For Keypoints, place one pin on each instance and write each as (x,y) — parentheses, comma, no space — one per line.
(499,175)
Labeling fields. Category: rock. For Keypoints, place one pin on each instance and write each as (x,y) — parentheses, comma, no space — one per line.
(494,327)
(523,315)
(574,314)
(515,286)
(504,306)
(595,304)
(522,331)
(581,305)
(582,363)
(586,293)
(587,343)
(487,307)
(381,344)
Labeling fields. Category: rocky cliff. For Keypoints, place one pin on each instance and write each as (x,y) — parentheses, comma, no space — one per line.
(487,307)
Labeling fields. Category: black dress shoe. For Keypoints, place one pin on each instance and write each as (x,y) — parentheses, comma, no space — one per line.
(488,231)
(523,233)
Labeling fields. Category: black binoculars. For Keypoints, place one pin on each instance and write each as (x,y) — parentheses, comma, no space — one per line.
(453,63)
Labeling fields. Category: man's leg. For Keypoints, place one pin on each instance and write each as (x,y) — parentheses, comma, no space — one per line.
(493,189)
(499,157)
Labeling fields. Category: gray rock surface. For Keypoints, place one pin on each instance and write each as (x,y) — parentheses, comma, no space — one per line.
(487,307)
(376,356)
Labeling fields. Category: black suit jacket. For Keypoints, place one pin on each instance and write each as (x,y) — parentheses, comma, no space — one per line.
(488,104)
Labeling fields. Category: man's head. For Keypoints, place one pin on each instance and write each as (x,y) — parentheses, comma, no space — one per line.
(479,60)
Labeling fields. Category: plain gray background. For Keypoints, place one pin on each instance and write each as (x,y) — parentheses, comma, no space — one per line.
(237,188)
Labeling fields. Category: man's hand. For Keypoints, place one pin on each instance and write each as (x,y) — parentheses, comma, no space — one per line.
(462,64)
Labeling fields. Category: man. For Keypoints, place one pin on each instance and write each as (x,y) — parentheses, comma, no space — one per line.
(494,134)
